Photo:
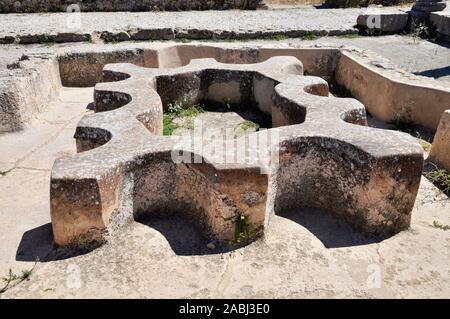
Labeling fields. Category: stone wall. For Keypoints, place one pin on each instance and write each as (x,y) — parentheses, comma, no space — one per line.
(26,6)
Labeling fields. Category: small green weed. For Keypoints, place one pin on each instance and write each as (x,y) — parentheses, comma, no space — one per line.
(244,230)
(438,225)
(168,125)
(349,36)
(49,289)
(426,146)
(440,178)
(175,111)
(248,125)
(420,31)
(182,40)
(279,37)
(12,279)
(310,36)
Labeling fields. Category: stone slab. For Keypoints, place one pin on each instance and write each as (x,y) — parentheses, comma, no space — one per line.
(385,22)
(120,26)
(441,21)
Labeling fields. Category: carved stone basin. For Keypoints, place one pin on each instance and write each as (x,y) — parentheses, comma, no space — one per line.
(317,153)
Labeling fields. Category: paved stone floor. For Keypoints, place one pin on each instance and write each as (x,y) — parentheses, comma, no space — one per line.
(281,20)
(289,20)
(26,159)
(305,253)
(413,55)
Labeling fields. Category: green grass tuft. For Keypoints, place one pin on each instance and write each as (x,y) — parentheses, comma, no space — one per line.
(168,125)
(12,280)
(175,111)
(349,36)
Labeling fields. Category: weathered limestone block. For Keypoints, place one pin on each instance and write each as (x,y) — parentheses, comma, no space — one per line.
(32,85)
(441,21)
(429,5)
(406,98)
(327,159)
(83,69)
(422,10)
(440,151)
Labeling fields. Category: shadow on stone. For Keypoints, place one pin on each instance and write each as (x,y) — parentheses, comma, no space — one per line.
(415,130)
(331,232)
(184,236)
(37,243)
(435,73)
(442,43)
(90,106)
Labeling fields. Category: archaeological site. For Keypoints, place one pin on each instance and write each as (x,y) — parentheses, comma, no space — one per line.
(225,149)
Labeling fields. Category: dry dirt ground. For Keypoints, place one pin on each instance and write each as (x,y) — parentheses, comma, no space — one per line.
(305,254)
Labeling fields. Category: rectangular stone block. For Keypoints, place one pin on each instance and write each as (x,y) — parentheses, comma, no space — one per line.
(385,22)
(440,152)
(441,21)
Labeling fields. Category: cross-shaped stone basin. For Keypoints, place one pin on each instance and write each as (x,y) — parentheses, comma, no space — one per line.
(317,153)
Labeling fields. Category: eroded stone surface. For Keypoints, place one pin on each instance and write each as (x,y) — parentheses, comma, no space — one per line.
(232,24)
(440,152)
(371,182)
(33,84)
(441,21)
(305,254)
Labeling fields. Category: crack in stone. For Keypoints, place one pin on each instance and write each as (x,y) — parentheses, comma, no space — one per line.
(45,143)
(34,168)
(231,259)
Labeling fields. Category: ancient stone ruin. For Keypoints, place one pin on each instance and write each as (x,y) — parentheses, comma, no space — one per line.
(224,149)
(125,167)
